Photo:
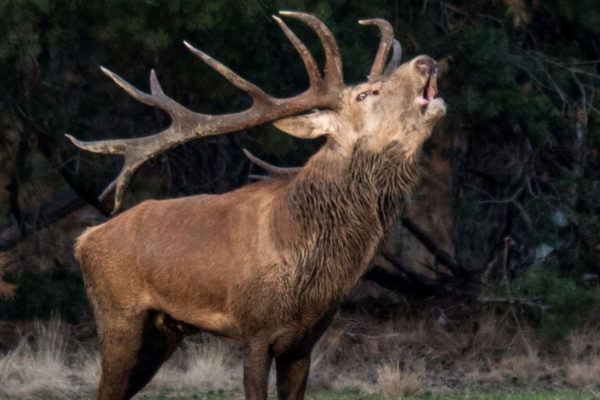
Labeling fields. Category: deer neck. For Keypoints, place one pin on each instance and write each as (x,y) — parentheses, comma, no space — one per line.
(340,211)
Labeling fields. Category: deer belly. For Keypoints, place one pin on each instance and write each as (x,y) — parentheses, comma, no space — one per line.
(201,306)
(217,323)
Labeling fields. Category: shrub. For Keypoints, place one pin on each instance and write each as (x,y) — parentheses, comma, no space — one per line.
(569,302)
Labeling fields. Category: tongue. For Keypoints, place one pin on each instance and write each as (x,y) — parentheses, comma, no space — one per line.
(431,92)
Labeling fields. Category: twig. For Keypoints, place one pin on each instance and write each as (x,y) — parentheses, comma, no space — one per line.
(440,255)
(508,243)
(508,199)
(514,300)
(523,214)
(369,337)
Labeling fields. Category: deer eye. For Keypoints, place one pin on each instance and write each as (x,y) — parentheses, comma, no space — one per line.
(361,96)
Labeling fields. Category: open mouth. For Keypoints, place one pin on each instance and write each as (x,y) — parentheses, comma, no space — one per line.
(428,93)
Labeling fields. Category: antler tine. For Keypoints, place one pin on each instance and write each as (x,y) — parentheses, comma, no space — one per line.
(121,182)
(100,146)
(156,98)
(272,170)
(333,59)
(254,91)
(387,36)
(187,125)
(310,64)
(396,58)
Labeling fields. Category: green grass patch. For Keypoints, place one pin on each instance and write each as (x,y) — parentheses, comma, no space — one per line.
(354,395)
(558,395)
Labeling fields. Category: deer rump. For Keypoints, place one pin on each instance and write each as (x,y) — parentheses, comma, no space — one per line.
(269,263)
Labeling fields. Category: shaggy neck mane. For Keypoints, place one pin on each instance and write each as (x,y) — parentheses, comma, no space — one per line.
(341,213)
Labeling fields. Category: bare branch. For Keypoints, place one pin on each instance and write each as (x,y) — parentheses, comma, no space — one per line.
(440,255)
(514,300)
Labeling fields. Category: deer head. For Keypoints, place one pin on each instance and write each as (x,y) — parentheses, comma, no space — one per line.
(399,107)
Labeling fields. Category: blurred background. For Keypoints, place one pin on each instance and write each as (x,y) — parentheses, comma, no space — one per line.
(505,222)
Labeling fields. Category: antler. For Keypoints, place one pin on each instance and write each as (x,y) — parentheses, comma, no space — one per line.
(387,38)
(396,58)
(272,170)
(186,125)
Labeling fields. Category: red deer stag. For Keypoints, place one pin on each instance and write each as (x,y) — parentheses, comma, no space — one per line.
(267,264)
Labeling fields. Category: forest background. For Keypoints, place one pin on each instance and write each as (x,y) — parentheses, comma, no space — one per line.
(506,217)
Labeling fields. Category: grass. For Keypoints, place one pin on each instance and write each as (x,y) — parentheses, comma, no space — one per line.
(558,395)
(354,361)
(39,366)
(355,395)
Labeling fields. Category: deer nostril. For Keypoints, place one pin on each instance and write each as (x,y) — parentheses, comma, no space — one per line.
(426,65)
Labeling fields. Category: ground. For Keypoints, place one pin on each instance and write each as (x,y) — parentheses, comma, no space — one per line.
(358,358)
(353,395)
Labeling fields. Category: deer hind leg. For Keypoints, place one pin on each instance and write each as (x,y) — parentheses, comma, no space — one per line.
(292,375)
(132,353)
(160,339)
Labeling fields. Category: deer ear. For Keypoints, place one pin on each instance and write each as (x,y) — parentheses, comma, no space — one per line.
(308,126)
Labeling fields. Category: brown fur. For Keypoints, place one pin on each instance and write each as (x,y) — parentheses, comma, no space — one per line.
(267,264)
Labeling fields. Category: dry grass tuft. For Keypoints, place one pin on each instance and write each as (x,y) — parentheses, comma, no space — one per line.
(583,367)
(39,364)
(522,367)
(396,382)
(47,363)
(89,370)
(584,375)
(209,364)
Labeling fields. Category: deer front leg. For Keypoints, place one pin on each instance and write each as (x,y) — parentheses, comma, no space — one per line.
(121,340)
(292,375)
(257,363)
